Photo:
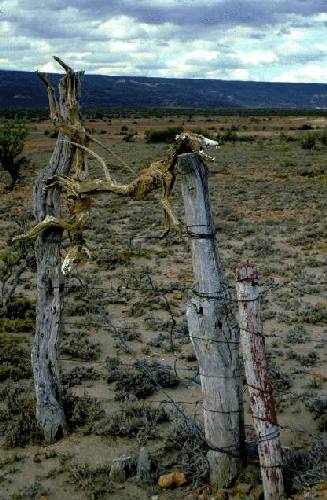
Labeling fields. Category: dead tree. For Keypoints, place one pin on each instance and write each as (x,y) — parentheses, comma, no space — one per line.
(213,330)
(50,285)
(260,390)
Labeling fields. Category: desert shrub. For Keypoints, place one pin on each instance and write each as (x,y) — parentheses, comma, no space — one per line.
(78,346)
(81,411)
(316,380)
(309,238)
(306,468)
(163,341)
(127,334)
(17,416)
(314,314)
(322,423)
(17,325)
(203,131)
(309,141)
(305,126)
(128,137)
(15,259)
(121,256)
(306,359)
(312,171)
(15,360)
(186,438)
(33,491)
(228,135)
(165,135)
(132,419)
(94,481)
(141,379)
(13,134)
(317,406)
(261,247)
(323,137)
(21,309)
(297,335)
(279,380)
(78,375)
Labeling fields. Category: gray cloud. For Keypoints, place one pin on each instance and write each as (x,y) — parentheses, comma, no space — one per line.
(196,14)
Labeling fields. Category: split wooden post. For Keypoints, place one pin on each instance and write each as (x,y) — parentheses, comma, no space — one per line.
(50,283)
(260,390)
(213,330)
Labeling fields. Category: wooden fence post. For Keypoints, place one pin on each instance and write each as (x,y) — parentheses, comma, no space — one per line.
(213,330)
(50,283)
(260,390)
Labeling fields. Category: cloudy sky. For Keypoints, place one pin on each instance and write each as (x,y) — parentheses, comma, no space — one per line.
(267,40)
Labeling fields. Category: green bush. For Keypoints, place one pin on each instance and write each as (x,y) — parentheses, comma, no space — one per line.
(132,419)
(314,314)
(81,411)
(165,135)
(309,142)
(13,134)
(15,360)
(17,416)
(141,379)
(305,126)
(228,136)
(323,137)
(93,481)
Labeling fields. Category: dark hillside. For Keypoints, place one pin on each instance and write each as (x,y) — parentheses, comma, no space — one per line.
(22,89)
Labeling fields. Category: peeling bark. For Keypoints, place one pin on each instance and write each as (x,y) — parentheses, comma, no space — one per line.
(213,330)
(261,399)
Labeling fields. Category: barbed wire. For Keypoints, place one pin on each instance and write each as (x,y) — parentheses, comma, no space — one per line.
(140,331)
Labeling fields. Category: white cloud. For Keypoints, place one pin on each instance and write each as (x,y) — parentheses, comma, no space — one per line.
(240,74)
(308,73)
(49,67)
(229,39)
(256,57)
(120,28)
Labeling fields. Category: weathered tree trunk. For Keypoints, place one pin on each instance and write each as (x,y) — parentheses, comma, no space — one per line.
(50,284)
(213,330)
(260,390)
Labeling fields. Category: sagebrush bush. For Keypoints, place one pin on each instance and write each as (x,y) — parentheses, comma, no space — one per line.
(15,362)
(186,438)
(13,134)
(132,419)
(140,380)
(17,416)
(165,135)
(93,481)
(78,346)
